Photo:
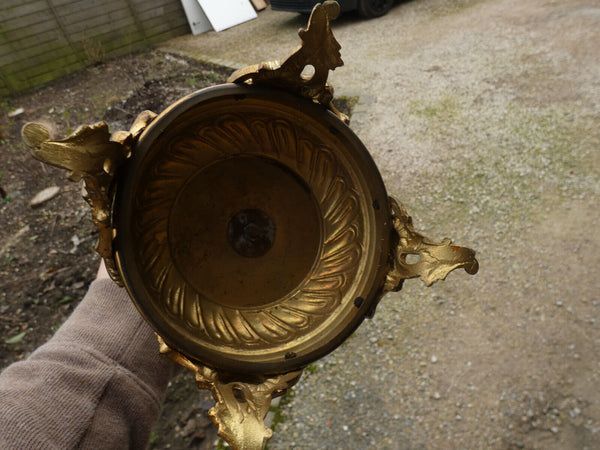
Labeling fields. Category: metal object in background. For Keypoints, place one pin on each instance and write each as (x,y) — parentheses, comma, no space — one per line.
(250,227)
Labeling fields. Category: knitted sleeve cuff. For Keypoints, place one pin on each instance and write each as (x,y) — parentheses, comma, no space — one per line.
(98,383)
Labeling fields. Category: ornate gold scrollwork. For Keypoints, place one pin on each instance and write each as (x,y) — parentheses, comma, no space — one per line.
(433,261)
(241,407)
(93,155)
(319,49)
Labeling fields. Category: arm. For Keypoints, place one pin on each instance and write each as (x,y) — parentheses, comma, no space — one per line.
(98,383)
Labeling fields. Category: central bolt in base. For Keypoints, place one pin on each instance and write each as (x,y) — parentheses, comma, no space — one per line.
(251,233)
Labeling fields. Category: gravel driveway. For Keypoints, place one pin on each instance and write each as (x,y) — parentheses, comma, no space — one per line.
(484,119)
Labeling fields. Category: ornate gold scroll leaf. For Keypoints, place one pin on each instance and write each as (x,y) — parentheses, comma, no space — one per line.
(318,295)
(241,406)
(434,260)
(90,154)
(319,50)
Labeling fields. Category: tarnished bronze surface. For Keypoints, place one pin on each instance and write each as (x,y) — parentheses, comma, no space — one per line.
(317,242)
(250,227)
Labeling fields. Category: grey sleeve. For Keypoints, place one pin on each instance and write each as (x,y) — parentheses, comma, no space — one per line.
(98,383)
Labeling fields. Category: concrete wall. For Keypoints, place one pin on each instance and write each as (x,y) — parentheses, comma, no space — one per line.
(41,40)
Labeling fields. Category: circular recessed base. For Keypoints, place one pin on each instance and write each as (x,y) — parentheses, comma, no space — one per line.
(244,232)
(252,229)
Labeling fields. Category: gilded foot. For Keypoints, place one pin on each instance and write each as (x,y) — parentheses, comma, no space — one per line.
(241,406)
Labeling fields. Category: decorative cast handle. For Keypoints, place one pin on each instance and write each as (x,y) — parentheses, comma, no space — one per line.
(93,155)
(434,260)
(319,49)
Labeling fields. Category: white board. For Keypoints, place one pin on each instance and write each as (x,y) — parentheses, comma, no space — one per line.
(198,21)
(224,14)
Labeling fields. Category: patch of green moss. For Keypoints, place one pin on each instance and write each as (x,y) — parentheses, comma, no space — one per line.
(455,6)
(441,109)
(278,415)
(345,104)
(351,101)
(222,445)
(154,438)
(504,164)
(311,369)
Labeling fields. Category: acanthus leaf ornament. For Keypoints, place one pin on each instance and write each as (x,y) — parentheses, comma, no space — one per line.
(241,406)
(434,261)
(253,230)
(319,50)
(93,155)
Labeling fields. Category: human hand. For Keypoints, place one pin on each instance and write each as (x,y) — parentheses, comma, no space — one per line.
(102,272)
